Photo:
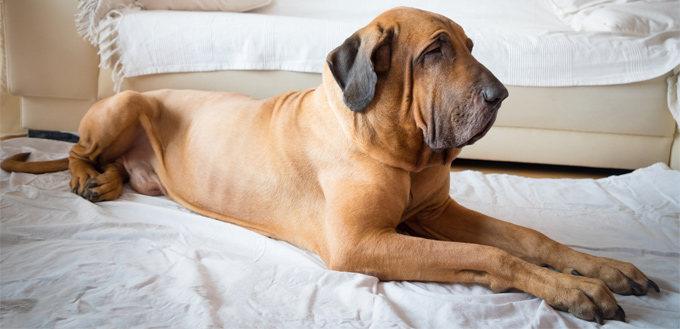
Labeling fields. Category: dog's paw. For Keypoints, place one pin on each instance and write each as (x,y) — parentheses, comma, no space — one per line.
(96,187)
(103,188)
(586,298)
(80,176)
(620,277)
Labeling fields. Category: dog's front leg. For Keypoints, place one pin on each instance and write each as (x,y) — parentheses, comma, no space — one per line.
(391,256)
(454,222)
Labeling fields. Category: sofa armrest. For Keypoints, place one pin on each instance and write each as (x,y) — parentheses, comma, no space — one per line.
(45,55)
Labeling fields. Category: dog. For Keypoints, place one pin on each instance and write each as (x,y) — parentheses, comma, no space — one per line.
(344,169)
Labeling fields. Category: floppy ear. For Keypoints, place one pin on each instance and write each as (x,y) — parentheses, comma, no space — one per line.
(355,65)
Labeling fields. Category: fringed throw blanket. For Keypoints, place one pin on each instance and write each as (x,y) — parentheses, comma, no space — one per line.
(526,43)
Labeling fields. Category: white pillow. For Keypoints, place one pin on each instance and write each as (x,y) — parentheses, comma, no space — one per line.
(631,16)
(204,5)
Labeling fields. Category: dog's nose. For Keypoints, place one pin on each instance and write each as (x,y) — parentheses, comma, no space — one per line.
(494,95)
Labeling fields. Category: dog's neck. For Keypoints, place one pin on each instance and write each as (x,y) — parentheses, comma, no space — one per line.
(397,143)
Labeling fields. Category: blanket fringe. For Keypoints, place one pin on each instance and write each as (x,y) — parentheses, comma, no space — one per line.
(97,22)
(109,55)
(87,19)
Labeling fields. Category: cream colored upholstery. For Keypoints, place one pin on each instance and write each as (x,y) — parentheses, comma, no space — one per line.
(631,109)
(61,114)
(45,55)
(675,152)
(570,148)
(623,126)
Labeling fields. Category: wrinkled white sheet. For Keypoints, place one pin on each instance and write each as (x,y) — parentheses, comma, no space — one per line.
(146,262)
(522,42)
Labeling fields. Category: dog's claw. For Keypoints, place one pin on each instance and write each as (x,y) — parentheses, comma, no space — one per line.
(653,285)
(637,289)
(620,314)
(88,194)
(598,317)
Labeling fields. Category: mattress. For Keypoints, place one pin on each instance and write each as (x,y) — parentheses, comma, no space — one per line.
(525,43)
(145,261)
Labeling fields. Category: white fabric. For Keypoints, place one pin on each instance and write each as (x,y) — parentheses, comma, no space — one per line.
(634,16)
(93,11)
(146,262)
(523,42)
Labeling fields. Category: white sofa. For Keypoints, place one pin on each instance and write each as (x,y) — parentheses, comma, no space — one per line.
(628,126)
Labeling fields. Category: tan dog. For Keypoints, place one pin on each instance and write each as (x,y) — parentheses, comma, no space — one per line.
(340,168)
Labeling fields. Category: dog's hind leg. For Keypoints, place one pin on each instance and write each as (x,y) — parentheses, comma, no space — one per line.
(107,132)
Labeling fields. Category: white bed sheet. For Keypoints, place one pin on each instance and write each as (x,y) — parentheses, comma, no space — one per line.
(146,262)
(523,42)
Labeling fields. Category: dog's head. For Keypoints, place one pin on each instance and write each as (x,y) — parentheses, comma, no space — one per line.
(408,79)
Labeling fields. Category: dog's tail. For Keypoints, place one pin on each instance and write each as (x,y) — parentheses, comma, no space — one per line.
(17,163)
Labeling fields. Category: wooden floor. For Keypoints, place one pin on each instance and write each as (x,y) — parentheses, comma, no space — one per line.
(534,170)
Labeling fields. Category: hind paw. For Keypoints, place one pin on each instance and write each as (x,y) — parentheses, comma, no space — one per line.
(97,187)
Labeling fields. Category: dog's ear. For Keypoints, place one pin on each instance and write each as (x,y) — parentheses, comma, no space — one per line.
(356,63)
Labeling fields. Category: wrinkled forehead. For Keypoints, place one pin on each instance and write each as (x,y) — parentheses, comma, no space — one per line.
(417,24)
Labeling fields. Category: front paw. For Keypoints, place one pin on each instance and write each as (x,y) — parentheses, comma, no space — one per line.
(586,298)
(620,277)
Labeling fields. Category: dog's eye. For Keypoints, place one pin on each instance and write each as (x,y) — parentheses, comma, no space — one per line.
(435,51)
